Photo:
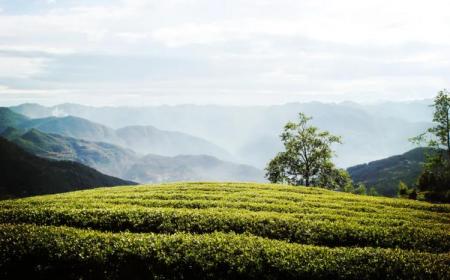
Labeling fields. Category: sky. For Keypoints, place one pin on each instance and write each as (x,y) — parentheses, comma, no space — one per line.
(237,52)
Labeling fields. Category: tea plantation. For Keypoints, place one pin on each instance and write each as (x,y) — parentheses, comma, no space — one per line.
(222,231)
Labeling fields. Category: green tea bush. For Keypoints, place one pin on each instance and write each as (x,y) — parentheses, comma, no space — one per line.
(52,251)
(222,231)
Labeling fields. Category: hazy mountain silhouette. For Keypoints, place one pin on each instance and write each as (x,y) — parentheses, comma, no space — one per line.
(369,132)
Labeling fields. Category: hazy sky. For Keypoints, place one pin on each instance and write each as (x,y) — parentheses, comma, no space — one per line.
(136,52)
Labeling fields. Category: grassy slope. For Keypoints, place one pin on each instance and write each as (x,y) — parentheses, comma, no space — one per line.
(224,230)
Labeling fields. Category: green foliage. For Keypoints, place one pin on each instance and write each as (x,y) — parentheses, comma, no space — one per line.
(360,189)
(222,231)
(412,194)
(435,178)
(373,192)
(333,178)
(385,174)
(403,190)
(349,188)
(307,156)
(74,253)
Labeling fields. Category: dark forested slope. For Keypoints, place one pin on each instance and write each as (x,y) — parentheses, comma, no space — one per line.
(23,174)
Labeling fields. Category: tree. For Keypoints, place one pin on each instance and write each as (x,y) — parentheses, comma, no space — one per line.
(348,188)
(413,194)
(403,189)
(361,189)
(438,137)
(306,159)
(333,178)
(373,192)
(436,173)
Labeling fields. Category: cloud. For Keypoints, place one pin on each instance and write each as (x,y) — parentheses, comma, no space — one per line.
(21,67)
(196,50)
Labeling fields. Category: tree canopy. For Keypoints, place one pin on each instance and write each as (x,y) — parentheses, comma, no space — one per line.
(306,159)
(435,178)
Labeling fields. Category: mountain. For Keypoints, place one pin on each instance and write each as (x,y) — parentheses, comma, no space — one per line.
(105,157)
(251,133)
(153,168)
(124,163)
(385,174)
(150,140)
(24,174)
(142,139)
(9,118)
(73,127)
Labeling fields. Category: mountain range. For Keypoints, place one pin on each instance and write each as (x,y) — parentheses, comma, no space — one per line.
(124,162)
(142,139)
(251,134)
(126,142)
(105,157)
(154,168)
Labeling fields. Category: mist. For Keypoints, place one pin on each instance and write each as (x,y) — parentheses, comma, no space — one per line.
(250,135)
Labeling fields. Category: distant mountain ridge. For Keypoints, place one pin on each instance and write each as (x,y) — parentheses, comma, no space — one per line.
(23,174)
(73,127)
(155,169)
(150,140)
(251,133)
(105,157)
(114,160)
(142,139)
(385,174)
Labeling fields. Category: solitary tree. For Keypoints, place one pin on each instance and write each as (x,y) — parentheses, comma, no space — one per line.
(306,159)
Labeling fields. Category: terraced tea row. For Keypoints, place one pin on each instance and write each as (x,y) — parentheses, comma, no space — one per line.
(93,254)
(225,230)
(322,218)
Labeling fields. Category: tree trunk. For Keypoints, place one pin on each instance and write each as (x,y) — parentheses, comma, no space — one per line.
(448,132)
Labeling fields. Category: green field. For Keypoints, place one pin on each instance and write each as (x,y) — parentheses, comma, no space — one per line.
(222,230)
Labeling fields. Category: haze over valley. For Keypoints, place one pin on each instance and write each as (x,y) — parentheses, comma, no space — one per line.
(248,135)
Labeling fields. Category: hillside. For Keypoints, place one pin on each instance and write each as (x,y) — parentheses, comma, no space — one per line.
(222,231)
(105,157)
(114,160)
(156,169)
(23,174)
(8,118)
(385,174)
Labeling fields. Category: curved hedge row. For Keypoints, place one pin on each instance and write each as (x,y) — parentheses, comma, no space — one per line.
(265,224)
(222,230)
(50,251)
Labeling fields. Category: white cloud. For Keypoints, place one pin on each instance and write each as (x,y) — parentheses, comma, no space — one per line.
(286,48)
(21,67)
